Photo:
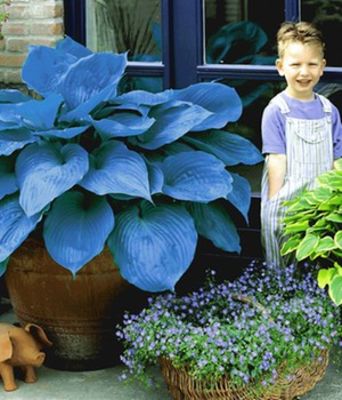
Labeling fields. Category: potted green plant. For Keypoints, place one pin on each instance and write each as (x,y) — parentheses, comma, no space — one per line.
(313,225)
(85,168)
(264,336)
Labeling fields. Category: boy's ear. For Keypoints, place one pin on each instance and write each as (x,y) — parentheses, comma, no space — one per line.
(279,66)
(324,63)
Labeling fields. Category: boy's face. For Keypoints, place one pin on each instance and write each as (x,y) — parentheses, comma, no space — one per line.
(302,65)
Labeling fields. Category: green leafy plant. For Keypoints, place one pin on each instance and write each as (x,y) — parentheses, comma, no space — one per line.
(313,225)
(143,173)
(267,321)
(3,14)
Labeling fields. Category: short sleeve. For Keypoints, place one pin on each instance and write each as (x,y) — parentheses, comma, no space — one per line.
(337,133)
(273,130)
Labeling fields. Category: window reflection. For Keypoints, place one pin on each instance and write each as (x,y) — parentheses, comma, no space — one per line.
(327,15)
(125,25)
(241,32)
(150,84)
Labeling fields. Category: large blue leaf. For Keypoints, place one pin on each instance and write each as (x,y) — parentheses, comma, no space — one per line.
(195,176)
(8,182)
(77,228)
(220,100)
(155,176)
(10,117)
(110,109)
(153,246)
(68,45)
(45,67)
(13,96)
(142,97)
(232,149)
(66,133)
(14,139)
(46,171)
(40,114)
(173,120)
(240,196)
(90,75)
(15,225)
(116,169)
(214,223)
(81,113)
(123,124)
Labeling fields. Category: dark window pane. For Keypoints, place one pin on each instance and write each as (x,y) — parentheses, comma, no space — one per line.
(125,25)
(255,95)
(327,15)
(242,31)
(151,84)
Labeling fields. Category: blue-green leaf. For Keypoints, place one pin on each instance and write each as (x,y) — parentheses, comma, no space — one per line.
(15,225)
(153,246)
(214,223)
(175,148)
(155,176)
(3,266)
(40,114)
(8,183)
(115,169)
(240,196)
(90,75)
(77,228)
(195,176)
(13,96)
(81,113)
(173,120)
(123,124)
(141,97)
(44,68)
(45,171)
(14,139)
(66,133)
(68,45)
(220,100)
(232,149)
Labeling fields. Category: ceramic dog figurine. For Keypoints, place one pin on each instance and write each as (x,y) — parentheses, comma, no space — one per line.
(21,347)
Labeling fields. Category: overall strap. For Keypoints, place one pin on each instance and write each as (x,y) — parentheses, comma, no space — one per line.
(327,108)
(281,103)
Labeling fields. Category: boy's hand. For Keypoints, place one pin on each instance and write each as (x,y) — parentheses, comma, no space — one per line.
(276,173)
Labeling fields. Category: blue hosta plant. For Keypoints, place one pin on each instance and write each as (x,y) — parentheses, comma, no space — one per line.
(141,172)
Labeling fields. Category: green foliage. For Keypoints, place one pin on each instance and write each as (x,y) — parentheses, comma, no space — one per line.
(255,330)
(3,14)
(313,224)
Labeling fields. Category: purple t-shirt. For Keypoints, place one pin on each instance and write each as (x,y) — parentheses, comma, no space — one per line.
(273,123)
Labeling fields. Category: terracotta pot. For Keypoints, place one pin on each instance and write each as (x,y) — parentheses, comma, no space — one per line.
(79,315)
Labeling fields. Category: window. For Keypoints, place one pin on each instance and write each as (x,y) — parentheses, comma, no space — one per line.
(170,43)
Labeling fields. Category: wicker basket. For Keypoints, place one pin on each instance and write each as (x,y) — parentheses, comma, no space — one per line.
(183,387)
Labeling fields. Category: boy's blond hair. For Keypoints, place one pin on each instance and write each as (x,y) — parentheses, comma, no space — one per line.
(303,32)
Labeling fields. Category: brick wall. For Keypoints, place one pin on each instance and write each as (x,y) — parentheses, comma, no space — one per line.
(29,22)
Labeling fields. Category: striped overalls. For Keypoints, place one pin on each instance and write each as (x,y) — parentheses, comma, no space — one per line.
(309,153)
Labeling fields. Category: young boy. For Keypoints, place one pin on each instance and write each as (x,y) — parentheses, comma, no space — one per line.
(301,131)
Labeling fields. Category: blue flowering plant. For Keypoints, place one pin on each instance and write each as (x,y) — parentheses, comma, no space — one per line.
(84,166)
(266,322)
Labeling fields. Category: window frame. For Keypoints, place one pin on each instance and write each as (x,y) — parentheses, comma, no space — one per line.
(183,46)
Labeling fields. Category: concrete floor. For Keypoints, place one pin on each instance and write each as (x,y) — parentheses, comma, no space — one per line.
(105,385)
